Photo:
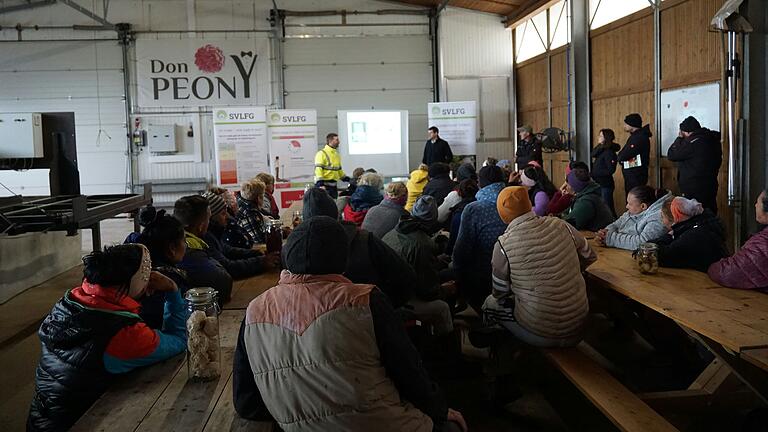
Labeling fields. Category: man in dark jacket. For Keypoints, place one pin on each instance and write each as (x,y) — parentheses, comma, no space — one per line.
(412,240)
(323,329)
(436,149)
(440,183)
(698,155)
(528,148)
(369,260)
(604,166)
(202,268)
(635,156)
(240,263)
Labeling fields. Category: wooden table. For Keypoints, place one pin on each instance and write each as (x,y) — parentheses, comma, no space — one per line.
(731,323)
(160,398)
(245,290)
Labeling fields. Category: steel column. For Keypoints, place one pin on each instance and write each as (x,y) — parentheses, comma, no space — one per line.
(580,85)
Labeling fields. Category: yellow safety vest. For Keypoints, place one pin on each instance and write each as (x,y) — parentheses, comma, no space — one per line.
(328,164)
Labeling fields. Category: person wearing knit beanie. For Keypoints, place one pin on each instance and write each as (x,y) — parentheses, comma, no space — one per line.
(690,124)
(466,171)
(490,174)
(578,179)
(425,209)
(680,209)
(216,203)
(634,120)
(513,202)
(306,250)
(317,202)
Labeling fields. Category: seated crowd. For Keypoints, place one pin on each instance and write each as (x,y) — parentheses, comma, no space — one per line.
(507,243)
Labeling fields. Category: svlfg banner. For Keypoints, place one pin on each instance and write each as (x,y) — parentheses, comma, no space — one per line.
(292,144)
(457,122)
(203,72)
(240,136)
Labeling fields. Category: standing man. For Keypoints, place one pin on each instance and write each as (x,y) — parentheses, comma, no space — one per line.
(698,155)
(328,166)
(635,155)
(436,148)
(528,148)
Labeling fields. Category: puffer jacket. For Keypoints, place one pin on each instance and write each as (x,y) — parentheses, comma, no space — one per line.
(540,261)
(383,218)
(416,184)
(363,199)
(323,354)
(439,187)
(629,231)
(748,268)
(89,336)
(694,243)
(202,268)
(698,160)
(588,210)
(410,239)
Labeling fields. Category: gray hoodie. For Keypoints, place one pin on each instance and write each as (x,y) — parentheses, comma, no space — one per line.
(628,231)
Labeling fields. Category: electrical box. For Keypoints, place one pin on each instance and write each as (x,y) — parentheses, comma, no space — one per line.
(21,135)
(162,138)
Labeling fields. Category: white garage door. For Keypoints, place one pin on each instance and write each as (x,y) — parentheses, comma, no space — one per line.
(84,77)
(367,72)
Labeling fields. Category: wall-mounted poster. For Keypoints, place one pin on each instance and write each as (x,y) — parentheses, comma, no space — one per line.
(240,136)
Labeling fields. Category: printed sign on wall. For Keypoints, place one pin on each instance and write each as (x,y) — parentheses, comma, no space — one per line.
(240,136)
(202,72)
(292,144)
(457,122)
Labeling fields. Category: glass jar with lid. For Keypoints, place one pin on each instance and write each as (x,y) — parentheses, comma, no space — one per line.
(203,342)
(647,257)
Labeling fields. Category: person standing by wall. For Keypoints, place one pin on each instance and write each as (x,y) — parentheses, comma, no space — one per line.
(636,153)
(604,165)
(698,155)
(436,149)
(528,148)
(328,169)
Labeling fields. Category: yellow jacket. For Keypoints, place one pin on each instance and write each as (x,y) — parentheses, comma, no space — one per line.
(328,164)
(415,185)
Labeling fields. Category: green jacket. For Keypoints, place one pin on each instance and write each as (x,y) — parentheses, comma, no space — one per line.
(588,211)
(414,245)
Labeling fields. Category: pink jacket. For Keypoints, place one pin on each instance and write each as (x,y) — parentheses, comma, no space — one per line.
(747,268)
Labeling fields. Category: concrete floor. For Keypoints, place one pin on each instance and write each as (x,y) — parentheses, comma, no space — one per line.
(113,231)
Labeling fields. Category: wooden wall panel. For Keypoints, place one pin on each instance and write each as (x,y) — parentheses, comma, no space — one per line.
(622,59)
(531,84)
(559,89)
(536,118)
(690,54)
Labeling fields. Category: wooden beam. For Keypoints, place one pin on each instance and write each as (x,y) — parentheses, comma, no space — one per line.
(527,10)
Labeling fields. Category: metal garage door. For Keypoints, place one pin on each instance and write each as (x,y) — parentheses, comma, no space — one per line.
(84,77)
(330,73)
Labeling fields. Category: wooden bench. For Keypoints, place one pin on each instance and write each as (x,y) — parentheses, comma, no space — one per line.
(627,411)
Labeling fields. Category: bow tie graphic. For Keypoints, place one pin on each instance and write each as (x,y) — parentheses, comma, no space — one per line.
(246,53)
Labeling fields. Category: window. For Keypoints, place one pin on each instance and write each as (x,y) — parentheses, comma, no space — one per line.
(602,12)
(559,24)
(531,37)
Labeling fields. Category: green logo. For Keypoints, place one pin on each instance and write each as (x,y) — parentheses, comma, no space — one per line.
(221,115)
(275,117)
(435,110)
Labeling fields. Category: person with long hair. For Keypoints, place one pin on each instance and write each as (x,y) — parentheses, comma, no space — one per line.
(605,159)
(540,188)
(95,333)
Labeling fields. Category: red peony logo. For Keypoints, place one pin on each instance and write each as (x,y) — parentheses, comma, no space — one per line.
(209,58)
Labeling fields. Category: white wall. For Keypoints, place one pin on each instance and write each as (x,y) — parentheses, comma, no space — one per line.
(476,61)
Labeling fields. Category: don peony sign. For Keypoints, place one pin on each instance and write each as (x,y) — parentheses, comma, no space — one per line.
(203,72)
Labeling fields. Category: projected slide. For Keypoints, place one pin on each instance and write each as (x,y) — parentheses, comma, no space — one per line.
(374,132)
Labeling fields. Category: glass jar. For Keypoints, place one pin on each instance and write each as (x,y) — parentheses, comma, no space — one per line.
(274,235)
(647,258)
(203,344)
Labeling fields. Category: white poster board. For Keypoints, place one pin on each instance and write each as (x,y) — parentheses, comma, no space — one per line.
(457,122)
(203,72)
(292,144)
(240,137)
(702,102)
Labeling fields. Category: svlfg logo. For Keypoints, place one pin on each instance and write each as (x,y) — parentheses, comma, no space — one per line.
(436,110)
(221,115)
(275,117)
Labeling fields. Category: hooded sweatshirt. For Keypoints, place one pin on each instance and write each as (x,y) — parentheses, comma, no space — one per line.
(629,230)
(416,183)
(588,210)
(411,240)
